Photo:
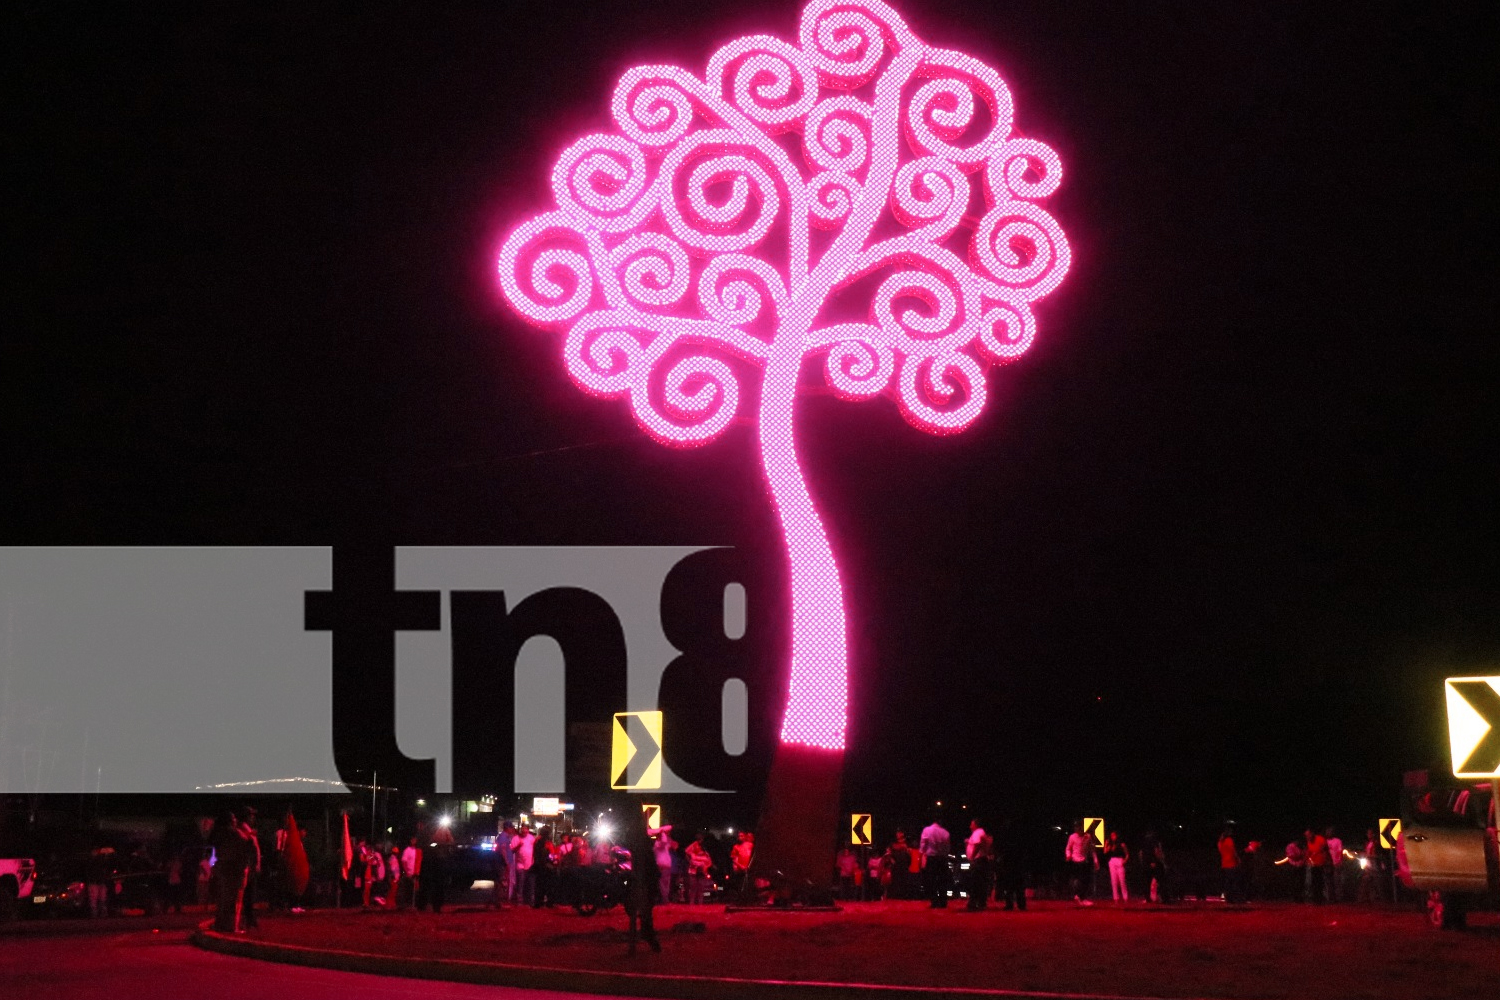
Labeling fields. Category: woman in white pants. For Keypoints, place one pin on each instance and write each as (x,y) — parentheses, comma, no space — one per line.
(1117,854)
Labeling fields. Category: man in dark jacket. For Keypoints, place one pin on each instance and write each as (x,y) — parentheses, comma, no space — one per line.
(645,878)
(246,817)
(232,860)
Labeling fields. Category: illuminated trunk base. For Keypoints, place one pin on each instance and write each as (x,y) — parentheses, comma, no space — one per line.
(796,840)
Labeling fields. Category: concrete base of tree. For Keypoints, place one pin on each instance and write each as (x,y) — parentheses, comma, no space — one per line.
(799,823)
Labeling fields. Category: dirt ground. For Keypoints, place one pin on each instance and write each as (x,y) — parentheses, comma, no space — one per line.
(1269,951)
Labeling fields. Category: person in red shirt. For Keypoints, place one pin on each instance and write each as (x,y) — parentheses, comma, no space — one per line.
(1319,866)
(1229,866)
(699,865)
(740,856)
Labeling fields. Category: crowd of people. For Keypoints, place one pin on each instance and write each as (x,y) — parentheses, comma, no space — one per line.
(1315,868)
(536,866)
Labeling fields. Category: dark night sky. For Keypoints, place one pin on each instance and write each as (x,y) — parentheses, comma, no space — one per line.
(1211,548)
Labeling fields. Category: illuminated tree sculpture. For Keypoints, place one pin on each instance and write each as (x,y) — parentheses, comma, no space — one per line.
(725,226)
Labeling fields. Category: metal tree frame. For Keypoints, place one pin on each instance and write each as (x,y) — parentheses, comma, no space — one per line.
(691,246)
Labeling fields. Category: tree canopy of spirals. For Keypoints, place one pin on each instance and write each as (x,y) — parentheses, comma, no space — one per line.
(726,217)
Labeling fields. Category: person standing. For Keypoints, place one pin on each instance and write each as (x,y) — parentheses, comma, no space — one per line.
(935,846)
(700,863)
(1010,889)
(231,862)
(645,879)
(1318,866)
(876,874)
(411,873)
(846,868)
(1155,858)
(372,870)
(1116,854)
(1229,866)
(679,872)
(544,869)
(1370,868)
(182,871)
(96,876)
(393,873)
(524,846)
(899,860)
(203,892)
(546,858)
(246,818)
(1255,871)
(979,849)
(1079,855)
(1296,859)
(505,867)
(740,856)
(278,890)
(662,848)
(1336,864)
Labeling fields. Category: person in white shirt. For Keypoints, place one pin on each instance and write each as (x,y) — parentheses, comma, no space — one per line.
(1082,863)
(393,872)
(411,868)
(522,844)
(662,846)
(1336,855)
(978,849)
(937,877)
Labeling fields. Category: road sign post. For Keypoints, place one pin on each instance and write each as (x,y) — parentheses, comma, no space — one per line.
(1387,831)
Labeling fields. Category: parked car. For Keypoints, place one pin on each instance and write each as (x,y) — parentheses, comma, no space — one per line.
(1447,847)
(16,877)
(135,883)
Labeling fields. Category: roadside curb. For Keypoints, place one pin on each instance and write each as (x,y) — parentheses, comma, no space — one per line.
(629,984)
(23,929)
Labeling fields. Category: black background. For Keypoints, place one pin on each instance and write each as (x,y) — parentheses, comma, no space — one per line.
(1209,551)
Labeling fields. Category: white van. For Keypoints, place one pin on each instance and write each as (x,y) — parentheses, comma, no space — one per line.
(1447,846)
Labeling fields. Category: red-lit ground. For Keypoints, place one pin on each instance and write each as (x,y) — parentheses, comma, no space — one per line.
(136,964)
(1269,951)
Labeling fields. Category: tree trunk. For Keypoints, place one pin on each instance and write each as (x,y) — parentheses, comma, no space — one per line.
(799,814)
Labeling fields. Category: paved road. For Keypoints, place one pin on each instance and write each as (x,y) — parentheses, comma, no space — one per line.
(139,963)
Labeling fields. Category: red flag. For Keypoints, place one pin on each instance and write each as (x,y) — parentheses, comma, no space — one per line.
(348,849)
(297,870)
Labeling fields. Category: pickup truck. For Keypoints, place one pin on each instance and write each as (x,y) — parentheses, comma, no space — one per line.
(1447,846)
(17,876)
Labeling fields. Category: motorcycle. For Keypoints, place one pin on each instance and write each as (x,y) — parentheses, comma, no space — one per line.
(596,887)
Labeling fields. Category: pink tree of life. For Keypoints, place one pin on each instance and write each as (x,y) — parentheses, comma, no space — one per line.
(723,225)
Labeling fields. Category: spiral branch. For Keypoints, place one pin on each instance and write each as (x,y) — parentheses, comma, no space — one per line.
(653,253)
